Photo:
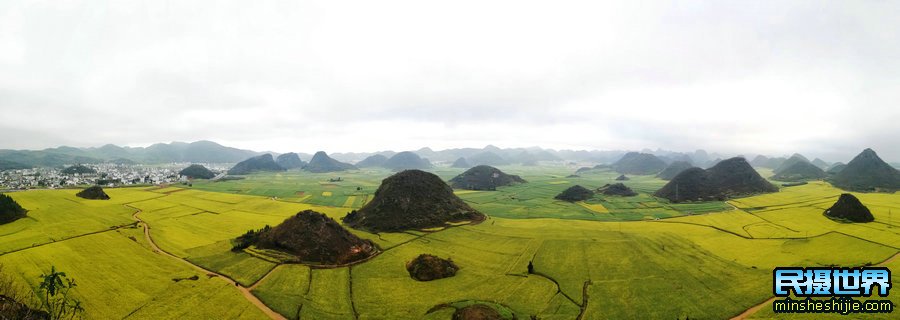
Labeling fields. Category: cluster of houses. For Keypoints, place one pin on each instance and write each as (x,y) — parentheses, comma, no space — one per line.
(107,174)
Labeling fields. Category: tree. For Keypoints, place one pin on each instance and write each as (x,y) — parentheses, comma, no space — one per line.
(10,210)
(54,295)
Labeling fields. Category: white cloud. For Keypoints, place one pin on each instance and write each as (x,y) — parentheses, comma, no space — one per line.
(733,76)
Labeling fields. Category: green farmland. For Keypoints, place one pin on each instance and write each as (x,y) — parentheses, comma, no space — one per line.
(605,258)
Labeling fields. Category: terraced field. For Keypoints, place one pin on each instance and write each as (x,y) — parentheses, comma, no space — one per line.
(609,257)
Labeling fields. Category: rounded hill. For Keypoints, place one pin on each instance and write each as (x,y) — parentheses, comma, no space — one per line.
(487,158)
(729,178)
(406,160)
(575,193)
(836,168)
(822,164)
(639,163)
(460,163)
(796,158)
(321,163)
(428,267)
(93,193)
(375,160)
(484,178)
(196,171)
(867,172)
(759,161)
(411,199)
(289,161)
(78,169)
(848,208)
(800,171)
(263,162)
(617,189)
(311,237)
(477,311)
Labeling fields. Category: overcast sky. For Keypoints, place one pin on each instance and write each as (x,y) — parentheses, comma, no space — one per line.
(773,77)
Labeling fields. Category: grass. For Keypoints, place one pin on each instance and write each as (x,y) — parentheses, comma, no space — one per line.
(504,312)
(241,267)
(329,295)
(297,291)
(530,200)
(285,289)
(693,279)
(54,215)
(299,186)
(491,273)
(117,277)
(635,265)
(595,207)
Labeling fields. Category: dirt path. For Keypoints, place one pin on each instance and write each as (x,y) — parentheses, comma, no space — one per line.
(889,260)
(244,290)
(753,309)
(749,312)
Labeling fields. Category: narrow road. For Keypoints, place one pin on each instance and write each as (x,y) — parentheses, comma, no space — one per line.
(749,312)
(244,290)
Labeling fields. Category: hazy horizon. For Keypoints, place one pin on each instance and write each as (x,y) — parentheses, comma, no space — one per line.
(712,153)
(730,77)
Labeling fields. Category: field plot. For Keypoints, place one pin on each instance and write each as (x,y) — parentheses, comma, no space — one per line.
(814,192)
(649,266)
(885,207)
(798,212)
(296,291)
(199,227)
(531,200)
(639,207)
(118,277)
(242,267)
(752,257)
(55,215)
(285,289)
(535,199)
(329,295)
(599,177)
(382,287)
(610,252)
(301,186)
(595,207)
(650,257)
(767,253)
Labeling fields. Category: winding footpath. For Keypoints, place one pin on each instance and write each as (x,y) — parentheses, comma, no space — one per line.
(244,290)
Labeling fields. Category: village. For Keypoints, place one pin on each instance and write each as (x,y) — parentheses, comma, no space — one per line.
(105,174)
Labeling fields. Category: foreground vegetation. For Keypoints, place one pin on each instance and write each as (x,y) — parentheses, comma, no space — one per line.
(607,257)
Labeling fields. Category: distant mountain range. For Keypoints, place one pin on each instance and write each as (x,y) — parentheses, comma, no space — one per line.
(211,152)
(200,151)
(492,155)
